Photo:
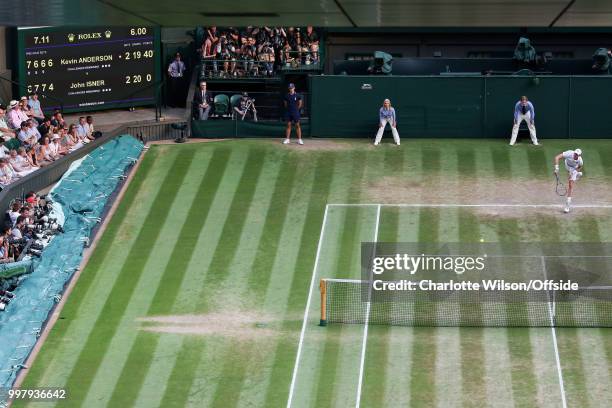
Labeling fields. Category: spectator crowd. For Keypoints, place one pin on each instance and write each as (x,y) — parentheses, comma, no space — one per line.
(29,139)
(256,51)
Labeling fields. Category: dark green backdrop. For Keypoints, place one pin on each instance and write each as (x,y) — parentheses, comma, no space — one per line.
(212,129)
(470,106)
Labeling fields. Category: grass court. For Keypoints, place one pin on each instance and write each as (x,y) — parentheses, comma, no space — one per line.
(197,291)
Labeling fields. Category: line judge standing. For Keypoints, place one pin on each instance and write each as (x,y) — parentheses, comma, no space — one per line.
(386,114)
(523,111)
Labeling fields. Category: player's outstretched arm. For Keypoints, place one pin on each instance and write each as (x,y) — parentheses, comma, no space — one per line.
(557,158)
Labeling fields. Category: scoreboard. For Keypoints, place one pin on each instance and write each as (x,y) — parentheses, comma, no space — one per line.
(90,68)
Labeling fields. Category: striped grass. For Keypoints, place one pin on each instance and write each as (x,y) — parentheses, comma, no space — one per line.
(245,239)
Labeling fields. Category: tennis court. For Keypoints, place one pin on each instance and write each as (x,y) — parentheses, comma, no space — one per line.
(217,317)
(374,365)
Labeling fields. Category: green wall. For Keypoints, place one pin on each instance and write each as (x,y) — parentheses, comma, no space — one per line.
(470,106)
(225,128)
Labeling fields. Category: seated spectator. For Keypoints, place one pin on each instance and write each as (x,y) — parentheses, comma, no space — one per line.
(80,141)
(25,108)
(33,129)
(45,126)
(6,132)
(203,100)
(28,156)
(90,126)
(15,115)
(82,130)
(72,139)
(58,119)
(22,164)
(7,174)
(44,153)
(4,151)
(55,147)
(65,139)
(25,136)
(34,104)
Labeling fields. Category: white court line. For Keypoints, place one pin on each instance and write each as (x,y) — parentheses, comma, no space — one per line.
(312,281)
(554,338)
(365,327)
(491,205)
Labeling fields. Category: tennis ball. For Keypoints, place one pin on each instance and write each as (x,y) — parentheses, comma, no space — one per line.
(481,239)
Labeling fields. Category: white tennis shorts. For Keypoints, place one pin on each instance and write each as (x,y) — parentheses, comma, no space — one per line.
(574,174)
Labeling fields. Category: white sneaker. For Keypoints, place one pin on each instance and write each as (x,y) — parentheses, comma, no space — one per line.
(375,143)
(300,142)
(511,144)
(398,143)
(286,141)
(566,209)
(536,144)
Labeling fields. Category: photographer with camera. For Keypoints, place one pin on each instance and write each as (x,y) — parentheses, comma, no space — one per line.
(5,299)
(244,54)
(266,55)
(14,239)
(311,39)
(13,248)
(246,107)
(251,57)
(19,228)
(226,51)
(4,251)
(13,213)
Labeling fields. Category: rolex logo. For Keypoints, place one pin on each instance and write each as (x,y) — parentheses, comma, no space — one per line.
(71,37)
(107,33)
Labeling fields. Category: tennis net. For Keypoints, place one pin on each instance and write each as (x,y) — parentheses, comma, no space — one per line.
(354,301)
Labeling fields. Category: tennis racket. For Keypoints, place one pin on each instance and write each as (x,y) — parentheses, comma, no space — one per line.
(560,188)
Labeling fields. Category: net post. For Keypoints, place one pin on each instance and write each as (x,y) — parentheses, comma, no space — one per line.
(323,289)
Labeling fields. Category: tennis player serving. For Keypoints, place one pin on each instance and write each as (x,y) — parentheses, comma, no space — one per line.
(573,165)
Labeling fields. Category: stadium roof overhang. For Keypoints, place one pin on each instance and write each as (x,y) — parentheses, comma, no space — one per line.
(329,13)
